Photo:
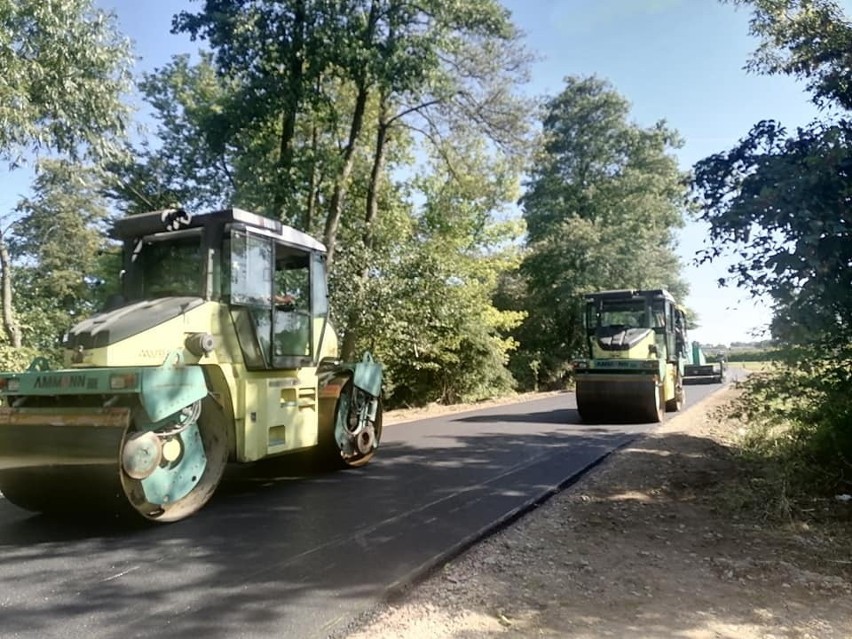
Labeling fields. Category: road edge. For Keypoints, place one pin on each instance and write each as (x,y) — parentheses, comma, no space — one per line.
(416,576)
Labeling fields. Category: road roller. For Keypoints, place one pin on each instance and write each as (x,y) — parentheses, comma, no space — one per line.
(218,350)
(636,345)
(699,371)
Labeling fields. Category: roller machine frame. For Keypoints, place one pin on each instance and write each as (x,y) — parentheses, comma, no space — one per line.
(218,350)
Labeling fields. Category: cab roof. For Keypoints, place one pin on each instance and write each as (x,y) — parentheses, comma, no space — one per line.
(169,220)
(629,294)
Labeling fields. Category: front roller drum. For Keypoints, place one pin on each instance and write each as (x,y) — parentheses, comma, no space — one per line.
(107,461)
(604,398)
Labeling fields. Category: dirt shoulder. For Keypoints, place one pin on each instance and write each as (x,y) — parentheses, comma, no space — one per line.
(664,539)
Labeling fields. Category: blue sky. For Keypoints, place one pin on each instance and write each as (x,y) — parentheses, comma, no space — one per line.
(678,60)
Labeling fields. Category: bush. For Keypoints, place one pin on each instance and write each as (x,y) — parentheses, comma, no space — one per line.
(16,359)
(799,414)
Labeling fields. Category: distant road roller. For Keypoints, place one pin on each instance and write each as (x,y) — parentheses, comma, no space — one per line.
(218,350)
(637,351)
(698,370)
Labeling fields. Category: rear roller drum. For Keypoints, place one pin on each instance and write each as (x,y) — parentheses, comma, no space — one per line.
(356,428)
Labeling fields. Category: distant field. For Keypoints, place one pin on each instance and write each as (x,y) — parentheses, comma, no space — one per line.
(752,366)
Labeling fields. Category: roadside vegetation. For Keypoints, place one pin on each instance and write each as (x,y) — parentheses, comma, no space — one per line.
(782,202)
(759,366)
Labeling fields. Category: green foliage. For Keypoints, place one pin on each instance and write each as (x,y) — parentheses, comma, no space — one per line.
(302,79)
(779,203)
(808,39)
(60,251)
(798,415)
(426,306)
(603,200)
(17,359)
(750,356)
(64,70)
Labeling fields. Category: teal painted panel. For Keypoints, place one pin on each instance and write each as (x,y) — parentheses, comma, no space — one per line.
(72,381)
(367,375)
(168,485)
(166,389)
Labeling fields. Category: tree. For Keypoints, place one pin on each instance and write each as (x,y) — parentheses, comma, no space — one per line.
(65,68)
(602,203)
(463,98)
(781,203)
(61,251)
(338,60)
(382,84)
(807,39)
(428,302)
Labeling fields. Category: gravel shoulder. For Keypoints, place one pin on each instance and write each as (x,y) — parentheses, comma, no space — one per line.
(663,539)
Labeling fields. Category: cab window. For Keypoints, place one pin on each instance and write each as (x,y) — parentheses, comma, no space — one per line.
(292,306)
(269,291)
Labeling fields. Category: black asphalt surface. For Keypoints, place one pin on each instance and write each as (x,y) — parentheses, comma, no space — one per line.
(298,553)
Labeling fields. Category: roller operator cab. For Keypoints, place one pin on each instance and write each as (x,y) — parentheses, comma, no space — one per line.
(636,345)
(219,349)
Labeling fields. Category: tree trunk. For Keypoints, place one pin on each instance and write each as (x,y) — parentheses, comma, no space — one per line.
(13,331)
(332,222)
(293,102)
(313,180)
(376,171)
(353,325)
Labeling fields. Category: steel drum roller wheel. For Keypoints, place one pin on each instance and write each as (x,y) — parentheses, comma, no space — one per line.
(676,404)
(191,465)
(120,471)
(619,400)
(653,406)
(351,443)
(60,468)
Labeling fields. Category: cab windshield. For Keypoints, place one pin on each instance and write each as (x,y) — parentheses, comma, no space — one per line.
(630,315)
(626,313)
(166,267)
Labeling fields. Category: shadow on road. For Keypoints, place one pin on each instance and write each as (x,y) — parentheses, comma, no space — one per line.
(288,540)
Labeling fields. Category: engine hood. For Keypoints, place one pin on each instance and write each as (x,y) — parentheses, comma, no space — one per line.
(620,338)
(115,325)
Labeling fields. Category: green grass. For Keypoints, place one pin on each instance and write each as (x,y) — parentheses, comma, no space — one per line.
(753,366)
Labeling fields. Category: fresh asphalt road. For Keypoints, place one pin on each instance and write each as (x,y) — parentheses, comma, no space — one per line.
(299,554)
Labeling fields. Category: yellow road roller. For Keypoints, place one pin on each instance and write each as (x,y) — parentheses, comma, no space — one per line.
(636,343)
(218,350)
